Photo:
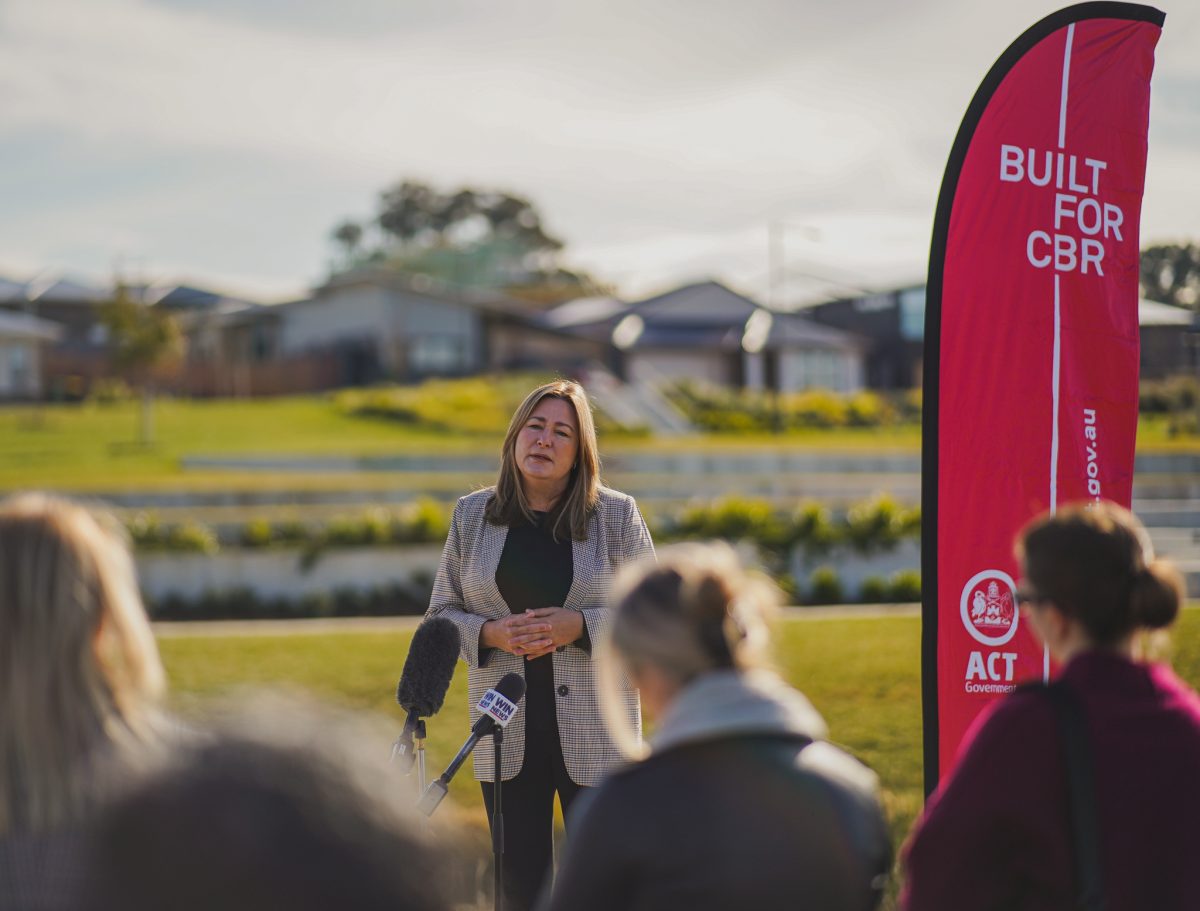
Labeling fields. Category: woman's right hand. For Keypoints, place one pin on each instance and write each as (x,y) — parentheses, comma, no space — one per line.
(520,635)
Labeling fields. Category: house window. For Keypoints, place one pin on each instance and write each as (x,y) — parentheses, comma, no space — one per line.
(19,379)
(912,314)
(820,370)
(437,354)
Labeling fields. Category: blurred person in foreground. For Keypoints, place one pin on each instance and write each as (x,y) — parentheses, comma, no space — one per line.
(997,833)
(80,682)
(524,576)
(738,802)
(282,806)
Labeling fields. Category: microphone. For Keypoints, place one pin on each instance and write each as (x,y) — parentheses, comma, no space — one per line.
(498,706)
(424,681)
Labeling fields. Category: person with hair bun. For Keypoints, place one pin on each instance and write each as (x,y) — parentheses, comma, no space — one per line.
(999,832)
(738,801)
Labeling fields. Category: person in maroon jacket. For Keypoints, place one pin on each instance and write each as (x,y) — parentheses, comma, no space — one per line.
(996,834)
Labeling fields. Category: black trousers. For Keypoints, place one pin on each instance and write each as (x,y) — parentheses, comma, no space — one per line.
(528,808)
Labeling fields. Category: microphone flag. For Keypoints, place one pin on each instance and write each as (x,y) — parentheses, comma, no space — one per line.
(1031,338)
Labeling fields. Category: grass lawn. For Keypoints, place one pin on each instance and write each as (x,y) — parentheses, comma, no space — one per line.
(91,447)
(862,673)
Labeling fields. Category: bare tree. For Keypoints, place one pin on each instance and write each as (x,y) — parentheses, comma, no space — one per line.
(146,342)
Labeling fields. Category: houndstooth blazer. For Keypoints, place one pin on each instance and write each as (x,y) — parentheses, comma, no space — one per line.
(465,593)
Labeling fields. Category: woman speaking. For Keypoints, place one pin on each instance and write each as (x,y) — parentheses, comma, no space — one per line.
(524,576)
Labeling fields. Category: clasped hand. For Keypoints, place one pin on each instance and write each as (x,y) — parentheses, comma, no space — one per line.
(534,633)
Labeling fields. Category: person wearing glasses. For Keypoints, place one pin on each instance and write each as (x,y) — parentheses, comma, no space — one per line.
(1000,831)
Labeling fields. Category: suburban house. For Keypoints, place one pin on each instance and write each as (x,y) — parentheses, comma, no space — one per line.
(707,332)
(893,323)
(22,339)
(74,352)
(384,324)
(358,327)
(1170,340)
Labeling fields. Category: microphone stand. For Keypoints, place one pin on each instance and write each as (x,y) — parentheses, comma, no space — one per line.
(498,820)
(419,750)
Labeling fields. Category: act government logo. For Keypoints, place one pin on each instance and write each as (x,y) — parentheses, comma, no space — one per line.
(989,607)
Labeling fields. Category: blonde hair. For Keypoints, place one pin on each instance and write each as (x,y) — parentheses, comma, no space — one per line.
(574,508)
(695,611)
(79,669)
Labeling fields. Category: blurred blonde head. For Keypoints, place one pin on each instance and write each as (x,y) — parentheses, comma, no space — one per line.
(695,611)
(79,670)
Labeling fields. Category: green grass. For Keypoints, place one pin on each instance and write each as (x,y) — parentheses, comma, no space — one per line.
(861,673)
(92,447)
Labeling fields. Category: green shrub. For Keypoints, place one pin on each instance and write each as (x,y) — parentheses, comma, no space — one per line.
(243,604)
(735,519)
(720,410)
(147,533)
(192,537)
(874,590)
(905,587)
(818,408)
(109,391)
(824,586)
(291,532)
(1171,396)
(1183,425)
(790,588)
(257,533)
(813,529)
(427,522)
(868,409)
(876,525)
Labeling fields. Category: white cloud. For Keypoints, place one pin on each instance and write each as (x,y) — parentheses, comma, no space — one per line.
(657,136)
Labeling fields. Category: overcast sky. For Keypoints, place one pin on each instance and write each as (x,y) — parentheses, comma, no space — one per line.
(219,141)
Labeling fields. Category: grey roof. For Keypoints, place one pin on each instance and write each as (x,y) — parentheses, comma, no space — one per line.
(1156,313)
(11,290)
(792,331)
(65,290)
(424,286)
(23,326)
(708,314)
(51,287)
(584,311)
(708,301)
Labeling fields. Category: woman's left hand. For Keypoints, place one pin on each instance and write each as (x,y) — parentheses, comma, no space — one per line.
(566,626)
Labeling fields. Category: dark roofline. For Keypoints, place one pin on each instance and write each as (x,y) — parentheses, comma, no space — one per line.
(423,286)
(693,286)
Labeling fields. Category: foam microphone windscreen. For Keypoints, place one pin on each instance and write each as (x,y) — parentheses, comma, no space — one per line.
(511,687)
(428,667)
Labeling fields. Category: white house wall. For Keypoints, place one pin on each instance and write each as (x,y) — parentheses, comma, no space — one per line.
(411,333)
(360,313)
(809,368)
(658,367)
(440,335)
(19,372)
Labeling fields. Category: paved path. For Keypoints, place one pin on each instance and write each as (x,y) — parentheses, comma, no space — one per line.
(323,625)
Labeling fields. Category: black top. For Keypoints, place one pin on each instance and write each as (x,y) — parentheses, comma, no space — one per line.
(536,571)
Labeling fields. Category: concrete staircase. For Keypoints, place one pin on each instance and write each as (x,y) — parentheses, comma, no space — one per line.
(637,404)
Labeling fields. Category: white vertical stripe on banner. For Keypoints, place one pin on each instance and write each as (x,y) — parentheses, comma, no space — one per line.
(1054,394)
(1062,107)
(1062,141)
